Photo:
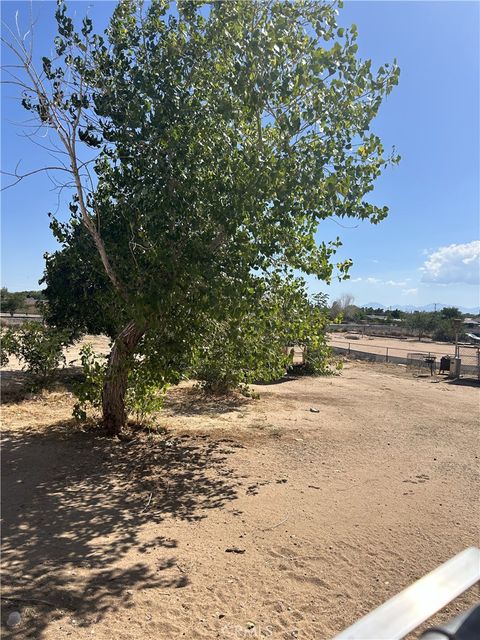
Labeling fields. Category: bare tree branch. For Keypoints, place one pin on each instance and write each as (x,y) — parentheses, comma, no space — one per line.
(52,115)
(19,177)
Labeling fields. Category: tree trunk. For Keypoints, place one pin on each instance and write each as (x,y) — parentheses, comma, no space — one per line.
(115,386)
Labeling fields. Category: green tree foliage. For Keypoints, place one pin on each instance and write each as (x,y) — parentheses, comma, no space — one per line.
(79,295)
(38,347)
(35,294)
(444,331)
(256,348)
(89,390)
(11,302)
(223,134)
(144,396)
(421,321)
(395,313)
(445,327)
(439,325)
(450,313)
(7,346)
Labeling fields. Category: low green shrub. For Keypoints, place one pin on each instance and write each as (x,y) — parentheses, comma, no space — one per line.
(89,390)
(318,362)
(257,346)
(38,347)
(144,396)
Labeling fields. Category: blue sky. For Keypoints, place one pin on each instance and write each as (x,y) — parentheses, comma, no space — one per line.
(428,249)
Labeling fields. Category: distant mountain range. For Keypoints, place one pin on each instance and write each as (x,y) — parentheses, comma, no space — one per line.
(427,307)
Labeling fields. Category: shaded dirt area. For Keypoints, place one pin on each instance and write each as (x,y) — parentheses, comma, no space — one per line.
(326,514)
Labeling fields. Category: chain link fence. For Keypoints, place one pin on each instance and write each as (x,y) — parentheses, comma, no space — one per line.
(469,356)
(417,361)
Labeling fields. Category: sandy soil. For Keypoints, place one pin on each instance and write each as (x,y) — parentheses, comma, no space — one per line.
(100,344)
(330,513)
(396,346)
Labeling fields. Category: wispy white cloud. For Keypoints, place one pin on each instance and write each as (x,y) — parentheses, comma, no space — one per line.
(397,283)
(453,264)
(389,283)
(409,292)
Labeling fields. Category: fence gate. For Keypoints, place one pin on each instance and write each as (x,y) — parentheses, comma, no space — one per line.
(470,358)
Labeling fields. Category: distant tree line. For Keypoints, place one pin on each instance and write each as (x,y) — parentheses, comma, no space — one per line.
(21,301)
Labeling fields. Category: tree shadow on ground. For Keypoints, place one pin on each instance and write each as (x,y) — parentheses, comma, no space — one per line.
(74,504)
(463,382)
(289,377)
(15,386)
(193,401)
(18,385)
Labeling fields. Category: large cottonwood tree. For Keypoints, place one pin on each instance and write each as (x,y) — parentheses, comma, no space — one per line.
(223,134)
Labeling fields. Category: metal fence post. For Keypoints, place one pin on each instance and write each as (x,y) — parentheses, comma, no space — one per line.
(386,354)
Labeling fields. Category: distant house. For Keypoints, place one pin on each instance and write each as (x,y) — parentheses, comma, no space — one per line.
(471,326)
(472,322)
(384,318)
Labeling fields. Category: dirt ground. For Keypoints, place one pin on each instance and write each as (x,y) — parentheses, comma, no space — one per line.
(243,518)
(396,346)
(100,344)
